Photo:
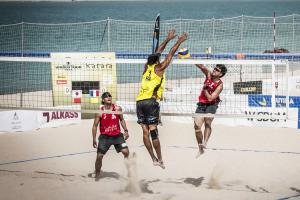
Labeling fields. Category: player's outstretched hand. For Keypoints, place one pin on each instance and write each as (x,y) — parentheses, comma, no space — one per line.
(183,37)
(171,34)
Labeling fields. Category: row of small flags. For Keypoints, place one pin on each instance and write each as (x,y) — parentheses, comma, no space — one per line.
(93,94)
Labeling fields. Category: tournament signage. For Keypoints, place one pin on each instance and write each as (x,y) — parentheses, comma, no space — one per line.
(27,120)
(266,101)
(249,87)
(262,102)
(82,83)
(18,120)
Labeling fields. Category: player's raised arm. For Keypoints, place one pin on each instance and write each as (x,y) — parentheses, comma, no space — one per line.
(172,51)
(204,69)
(162,46)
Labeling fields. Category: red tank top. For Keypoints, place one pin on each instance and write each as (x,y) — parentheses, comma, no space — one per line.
(109,123)
(211,87)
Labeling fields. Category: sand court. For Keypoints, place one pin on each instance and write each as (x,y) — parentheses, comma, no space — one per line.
(239,163)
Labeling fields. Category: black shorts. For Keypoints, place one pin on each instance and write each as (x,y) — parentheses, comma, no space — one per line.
(147,111)
(106,141)
(207,108)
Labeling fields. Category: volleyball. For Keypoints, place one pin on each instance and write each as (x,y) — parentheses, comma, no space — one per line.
(183,53)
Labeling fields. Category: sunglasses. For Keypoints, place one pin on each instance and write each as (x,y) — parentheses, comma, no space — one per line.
(217,69)
(106,96)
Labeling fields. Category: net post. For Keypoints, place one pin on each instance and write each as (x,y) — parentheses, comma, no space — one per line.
(22,55)
(287,100)
(273,101)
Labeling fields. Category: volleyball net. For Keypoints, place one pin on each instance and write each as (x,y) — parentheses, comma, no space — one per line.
(33,77)
(75,81)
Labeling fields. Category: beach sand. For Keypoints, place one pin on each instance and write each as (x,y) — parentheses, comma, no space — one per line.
(239,163)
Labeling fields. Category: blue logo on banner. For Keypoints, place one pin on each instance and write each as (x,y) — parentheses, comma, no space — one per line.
(266,101)
(259,100)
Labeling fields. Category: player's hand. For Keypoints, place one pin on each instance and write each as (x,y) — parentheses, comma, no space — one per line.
(94,143)
(126,135)
(183,37)
(171,34)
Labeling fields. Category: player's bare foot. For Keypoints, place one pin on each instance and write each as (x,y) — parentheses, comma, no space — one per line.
(155,161)
(97,176)
(161,164)
(201,150)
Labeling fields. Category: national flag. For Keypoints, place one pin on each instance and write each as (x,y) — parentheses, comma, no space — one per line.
(76,95)
(94,93)
(94,100)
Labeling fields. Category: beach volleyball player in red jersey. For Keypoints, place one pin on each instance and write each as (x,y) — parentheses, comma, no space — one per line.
(208,102)
(110,132)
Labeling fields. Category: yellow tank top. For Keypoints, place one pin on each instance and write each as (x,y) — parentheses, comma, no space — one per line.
(152,84)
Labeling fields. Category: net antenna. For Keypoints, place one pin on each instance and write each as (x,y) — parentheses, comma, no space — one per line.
(104,31)
(156,31)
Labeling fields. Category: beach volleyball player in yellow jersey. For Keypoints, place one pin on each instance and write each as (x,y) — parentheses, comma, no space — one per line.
(147,101)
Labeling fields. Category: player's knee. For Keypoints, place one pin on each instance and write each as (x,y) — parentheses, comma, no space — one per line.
(100,156)
(154,134)
(207,125)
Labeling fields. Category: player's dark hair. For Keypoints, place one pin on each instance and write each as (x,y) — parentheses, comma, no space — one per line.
(153,58)
(222,68)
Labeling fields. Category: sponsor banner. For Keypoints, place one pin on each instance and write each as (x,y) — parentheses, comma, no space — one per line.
(266,101)
(266,119)
(59,118)
(25,120)
(249,87)
(298,118)
(18,120)
(278,115)
(61,82)
(69,79)
(294,85)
